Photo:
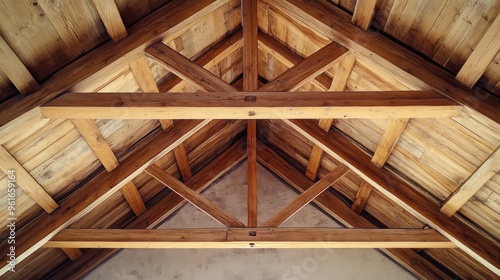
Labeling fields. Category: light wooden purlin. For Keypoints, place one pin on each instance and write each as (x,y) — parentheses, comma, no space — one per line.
(147,83)
(362,197)
(337,208)
(102,187)
(162,209)
(475,181)
(110,16)
(261,237)
(363,13)
(193,197)
(24,180)
(253,105)
(481,248)
(72,253)
(341,73)
(144,77)
(481,57)
(389,141)
(15,70)
(307,196)
(92,135)
(251,83)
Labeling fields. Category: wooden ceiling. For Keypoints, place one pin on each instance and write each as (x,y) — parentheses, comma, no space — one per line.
(383,113)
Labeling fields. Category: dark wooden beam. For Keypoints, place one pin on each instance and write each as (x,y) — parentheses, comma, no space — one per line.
(252,105)
(251,83)
(249,238)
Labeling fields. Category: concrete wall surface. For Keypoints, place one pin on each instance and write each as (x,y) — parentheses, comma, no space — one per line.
(247,264)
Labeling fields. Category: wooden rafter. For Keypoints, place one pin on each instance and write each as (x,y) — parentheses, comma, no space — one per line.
(73,253)
(307,196)
(15,70)
(341,73)
(481,57)
(389,141)
(110,16)
(161,210)
(335,24)
(24,180)
(363,13)
(306,70)
(289,58)
(253,105)
(251,83)
(193,197)
(475,181)
(166,23)
(102,187)
(335,207)
(482,249)
(249,238)
(178,64)
(92,135)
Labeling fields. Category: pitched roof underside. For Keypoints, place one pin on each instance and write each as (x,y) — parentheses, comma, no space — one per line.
(403,170)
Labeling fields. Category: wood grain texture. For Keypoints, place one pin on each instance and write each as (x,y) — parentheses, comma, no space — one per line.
(25,181)
(362,197)
(288,57)
(253,105)
(72,253)
(167,22)
(328,20)
(475,181)
(193,197)
(92,135)
(251,83)
(341,73)
(161,210)
(133,197)
(389,141)
(363,13)
(252,172)
(182,162)
(108,11)
(481,248)
(481,57)
(337,208)
(198,76)
(144,77)
(307,196)
(242,238)
(208,60)
(306,70)
(102,187)
(15,70)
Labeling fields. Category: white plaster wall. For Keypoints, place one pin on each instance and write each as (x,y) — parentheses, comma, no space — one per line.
(248,264)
